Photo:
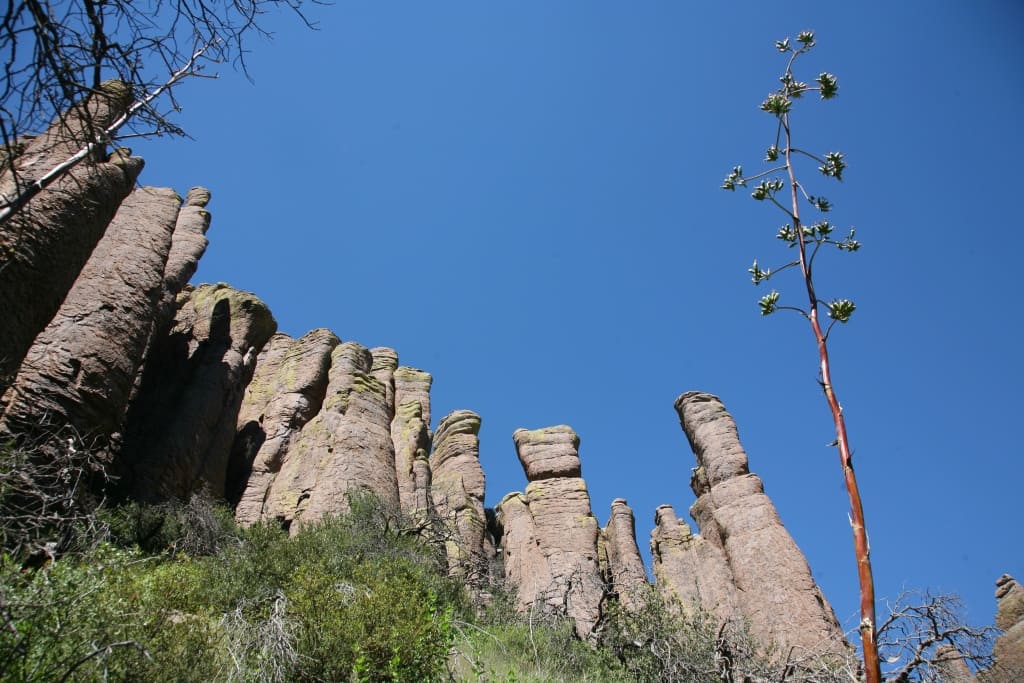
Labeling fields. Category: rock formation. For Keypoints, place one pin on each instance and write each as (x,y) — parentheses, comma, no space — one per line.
(1009,647)
(385,362)
(951,667)
(622,566)
(80,370)
(286,392)
(774,586)
(410,433)
(457,490)
(187,246)
(44,246)
(690,568)
(346,447)
(550,535)
(182,422)
(189,389)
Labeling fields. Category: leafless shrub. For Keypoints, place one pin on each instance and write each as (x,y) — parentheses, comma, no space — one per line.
(923,632)
(262,648)
(56,54)
(48,491)
(202,527)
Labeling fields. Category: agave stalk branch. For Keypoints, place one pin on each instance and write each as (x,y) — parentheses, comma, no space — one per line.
(868,623)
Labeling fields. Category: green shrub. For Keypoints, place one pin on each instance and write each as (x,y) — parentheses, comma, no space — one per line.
(346,598)
(667,641)
(200,526)
(383,623)
(98,617)
(502,646)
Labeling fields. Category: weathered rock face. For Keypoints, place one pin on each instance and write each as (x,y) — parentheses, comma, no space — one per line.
(775,589)
(623,568)
(385,362)
(560,571)
(457,490)
(346,447)
(286,392)
(80,369)
(1009,647)
(526,568)
(691,568)
(410,433)
(188,245)
(44,246)
(951,667)
(413,385)
(181,424)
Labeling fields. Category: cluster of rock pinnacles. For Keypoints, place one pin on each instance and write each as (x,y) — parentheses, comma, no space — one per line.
(191,388)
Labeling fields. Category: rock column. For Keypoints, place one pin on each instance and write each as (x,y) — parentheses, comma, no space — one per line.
(347,447)
(775,589)
(45,244)
(410,433)
(560,571)
(690,568)
(80,370)
(286,392)
(457,490)
(181,425)
(1009,647)
(625,568)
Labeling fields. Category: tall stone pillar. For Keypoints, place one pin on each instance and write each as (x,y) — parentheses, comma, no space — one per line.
(774,586)
(560,570)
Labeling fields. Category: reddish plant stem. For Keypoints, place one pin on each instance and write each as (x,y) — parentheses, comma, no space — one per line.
(868,624)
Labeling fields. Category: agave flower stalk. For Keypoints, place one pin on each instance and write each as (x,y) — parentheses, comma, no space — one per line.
(807,240)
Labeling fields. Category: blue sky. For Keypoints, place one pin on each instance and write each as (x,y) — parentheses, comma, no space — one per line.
(522,199)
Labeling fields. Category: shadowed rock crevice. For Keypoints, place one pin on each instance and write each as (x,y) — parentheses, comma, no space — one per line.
(182,423)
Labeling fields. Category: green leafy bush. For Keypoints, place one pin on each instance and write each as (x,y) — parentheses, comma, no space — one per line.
(346,598)
(99,617)
(502,646)
(197,527)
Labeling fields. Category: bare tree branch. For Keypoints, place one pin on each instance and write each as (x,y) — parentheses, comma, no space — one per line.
(99,142)
(924,631)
